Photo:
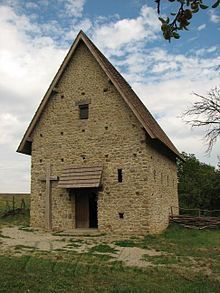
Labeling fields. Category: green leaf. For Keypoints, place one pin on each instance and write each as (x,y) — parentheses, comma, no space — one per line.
(195,10)
(176,35)
(168,20)
(216,4)
(203,6)
(162,20)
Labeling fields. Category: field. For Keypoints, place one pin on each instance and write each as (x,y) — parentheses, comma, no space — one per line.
(6,203)
(178,260)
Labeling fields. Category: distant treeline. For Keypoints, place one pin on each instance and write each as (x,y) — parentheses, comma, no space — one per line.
(199,184)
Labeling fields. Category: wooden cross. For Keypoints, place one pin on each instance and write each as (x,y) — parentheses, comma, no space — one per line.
(48,203)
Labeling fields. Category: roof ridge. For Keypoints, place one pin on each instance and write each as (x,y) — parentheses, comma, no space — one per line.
(136,105)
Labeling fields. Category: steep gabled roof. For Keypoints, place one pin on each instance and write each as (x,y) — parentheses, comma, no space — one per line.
(140,111)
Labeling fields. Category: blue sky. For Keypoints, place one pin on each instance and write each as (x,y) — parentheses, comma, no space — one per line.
(36,35)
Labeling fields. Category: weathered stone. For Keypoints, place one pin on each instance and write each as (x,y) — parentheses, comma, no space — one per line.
(149,186)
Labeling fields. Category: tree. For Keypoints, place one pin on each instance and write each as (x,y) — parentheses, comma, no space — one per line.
(206,113)
(181,18)
(199,184)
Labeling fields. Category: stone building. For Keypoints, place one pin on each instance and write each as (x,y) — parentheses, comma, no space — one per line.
(99,158)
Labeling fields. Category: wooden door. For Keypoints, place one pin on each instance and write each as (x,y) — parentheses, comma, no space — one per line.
(82,210)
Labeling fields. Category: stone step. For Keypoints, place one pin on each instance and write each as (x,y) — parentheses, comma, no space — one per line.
(86,232)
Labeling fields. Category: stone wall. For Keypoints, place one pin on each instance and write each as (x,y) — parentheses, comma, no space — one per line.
(112,137)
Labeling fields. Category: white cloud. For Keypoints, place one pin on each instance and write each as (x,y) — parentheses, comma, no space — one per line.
(27,66)
(167,100)
(73,8)
(84,25)
(212,49)
(201,27)
(113,36)
(31,5)
(9,124)
(214,17)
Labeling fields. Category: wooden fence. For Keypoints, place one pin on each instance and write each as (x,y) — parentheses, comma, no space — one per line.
(13,203)
(201,220)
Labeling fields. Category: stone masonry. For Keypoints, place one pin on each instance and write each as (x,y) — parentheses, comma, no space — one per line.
(111,137)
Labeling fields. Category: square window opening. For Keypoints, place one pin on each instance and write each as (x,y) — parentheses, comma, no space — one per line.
(84,111)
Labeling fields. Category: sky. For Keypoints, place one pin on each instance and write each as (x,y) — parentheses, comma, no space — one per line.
(35,37)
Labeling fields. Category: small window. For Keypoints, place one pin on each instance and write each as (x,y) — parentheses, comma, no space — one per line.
(120,175)
(84,111)
(121,215)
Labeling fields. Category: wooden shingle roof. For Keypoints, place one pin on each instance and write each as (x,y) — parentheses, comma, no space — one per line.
(80,177)
(140,111)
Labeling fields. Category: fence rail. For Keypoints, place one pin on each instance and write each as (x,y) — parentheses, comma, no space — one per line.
(200,221)
(11,204)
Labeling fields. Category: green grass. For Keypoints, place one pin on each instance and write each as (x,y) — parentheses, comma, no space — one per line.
(19,219)
(183,252)
(184,242)
(102,248)
(6,202)
(126,243)
(31,274)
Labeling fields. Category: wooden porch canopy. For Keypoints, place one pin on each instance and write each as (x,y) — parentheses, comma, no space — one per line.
(81,177)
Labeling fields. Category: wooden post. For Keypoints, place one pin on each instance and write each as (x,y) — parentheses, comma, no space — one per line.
(48,218)
(171,212)
(48,199)
(13,203)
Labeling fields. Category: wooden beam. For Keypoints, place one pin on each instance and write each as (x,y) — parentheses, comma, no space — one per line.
(29,139)
(55,90)
(48,217)
(52,178)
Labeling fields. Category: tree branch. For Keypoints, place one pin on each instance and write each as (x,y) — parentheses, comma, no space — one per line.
(206,113)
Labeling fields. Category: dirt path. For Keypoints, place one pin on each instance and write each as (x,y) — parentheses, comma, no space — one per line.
(18,240)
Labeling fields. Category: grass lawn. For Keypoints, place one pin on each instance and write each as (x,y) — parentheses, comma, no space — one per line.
(31,274)
(189,261)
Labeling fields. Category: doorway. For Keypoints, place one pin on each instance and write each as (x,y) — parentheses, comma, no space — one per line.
(86,208)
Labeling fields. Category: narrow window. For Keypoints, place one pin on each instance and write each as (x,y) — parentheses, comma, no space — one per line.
(120,175)
(121,215)
(84,111)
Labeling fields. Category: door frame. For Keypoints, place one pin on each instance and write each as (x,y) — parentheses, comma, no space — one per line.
(86,193)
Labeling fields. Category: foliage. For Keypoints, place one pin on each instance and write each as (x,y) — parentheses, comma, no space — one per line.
(181,18)
(199,184)
(206,113)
